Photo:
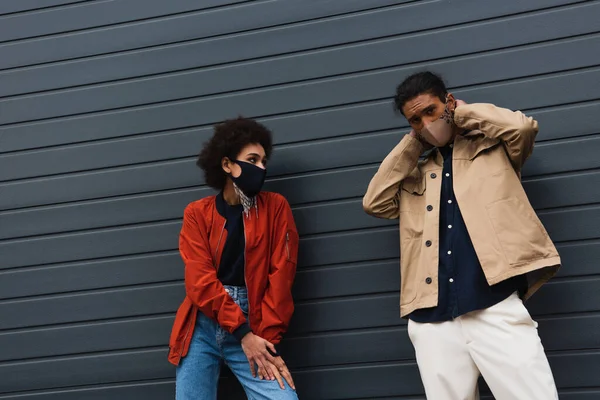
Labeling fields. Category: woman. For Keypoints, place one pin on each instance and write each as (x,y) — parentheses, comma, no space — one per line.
(240,249)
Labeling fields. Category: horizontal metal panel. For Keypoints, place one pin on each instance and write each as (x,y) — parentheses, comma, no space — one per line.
(544,192)
(89,15)
(384,344)
(307,65)
(564,156)
(577,295)
(383,310)
(558,89)
(89,225)
(568,189)
(163,236)
(558,297)
(7,7)
(578,258)
(569,224)
(546,58)
(84,338)
(555,123)
(149,390)
(578,223)
(87,275)
(571,370)
(78,370)
(129,302)
(160,390)
(299,189)
(349,279)
(90,245)
(358,246)
(298,158)
(169,31)
(278,40)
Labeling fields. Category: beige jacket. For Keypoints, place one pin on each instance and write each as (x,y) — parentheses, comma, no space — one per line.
(508,237)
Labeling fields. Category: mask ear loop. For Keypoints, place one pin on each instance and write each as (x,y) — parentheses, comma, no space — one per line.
(247,202)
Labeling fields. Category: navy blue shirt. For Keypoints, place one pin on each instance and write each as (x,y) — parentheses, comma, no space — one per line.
(462,284)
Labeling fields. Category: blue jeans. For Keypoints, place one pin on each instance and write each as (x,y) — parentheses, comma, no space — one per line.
(198,372)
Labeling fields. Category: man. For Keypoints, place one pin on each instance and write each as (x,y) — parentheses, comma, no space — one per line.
(471,245)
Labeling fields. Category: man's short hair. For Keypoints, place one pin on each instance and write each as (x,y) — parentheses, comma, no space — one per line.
(420,83)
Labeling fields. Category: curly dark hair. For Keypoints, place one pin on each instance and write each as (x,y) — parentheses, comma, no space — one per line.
(419,83)
(229,138)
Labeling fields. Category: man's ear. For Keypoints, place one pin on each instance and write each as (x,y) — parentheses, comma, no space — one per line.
(450,102)
(226,165)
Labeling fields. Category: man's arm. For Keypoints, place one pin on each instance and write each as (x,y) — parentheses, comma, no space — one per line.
(513,128)
(381,199)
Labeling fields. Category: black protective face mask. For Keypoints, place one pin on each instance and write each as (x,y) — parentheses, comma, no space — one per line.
(251,179)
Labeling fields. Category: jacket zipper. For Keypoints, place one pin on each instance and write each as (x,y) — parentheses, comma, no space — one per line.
(219,244)
(245,260)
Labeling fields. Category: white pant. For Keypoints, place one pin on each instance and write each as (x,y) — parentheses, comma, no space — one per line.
(501,343)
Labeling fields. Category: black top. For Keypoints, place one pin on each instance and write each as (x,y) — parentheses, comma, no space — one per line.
(462,285)
(232,265)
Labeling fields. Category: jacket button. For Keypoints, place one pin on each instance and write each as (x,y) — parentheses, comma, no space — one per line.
(433,176)
(428,281)
(429,208)
(428,243)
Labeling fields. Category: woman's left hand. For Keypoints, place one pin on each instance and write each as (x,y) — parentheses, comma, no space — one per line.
(280,370)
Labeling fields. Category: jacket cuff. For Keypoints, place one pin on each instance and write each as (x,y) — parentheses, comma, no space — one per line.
(276,354)
(242,331)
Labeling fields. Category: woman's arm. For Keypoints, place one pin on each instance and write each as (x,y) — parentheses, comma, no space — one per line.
(278,303)
(206,291)
(202,285)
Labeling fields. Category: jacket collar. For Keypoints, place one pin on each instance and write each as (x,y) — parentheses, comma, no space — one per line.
(221,204)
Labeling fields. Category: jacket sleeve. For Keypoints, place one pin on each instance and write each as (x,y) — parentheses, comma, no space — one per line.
(278,304)
(381,199)
(201,283)
(513,128)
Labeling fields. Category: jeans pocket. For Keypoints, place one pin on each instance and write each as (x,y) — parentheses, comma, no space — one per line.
(242,301)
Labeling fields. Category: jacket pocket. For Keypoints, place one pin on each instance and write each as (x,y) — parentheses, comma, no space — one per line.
(412,197)
(414,186)
(487,156)
(409,269)
(291,246)
(480,147)
(519,231)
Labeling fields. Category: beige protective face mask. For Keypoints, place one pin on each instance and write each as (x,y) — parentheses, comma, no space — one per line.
(439,132)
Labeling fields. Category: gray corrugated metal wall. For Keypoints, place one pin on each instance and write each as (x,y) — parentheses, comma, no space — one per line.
(104,104)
